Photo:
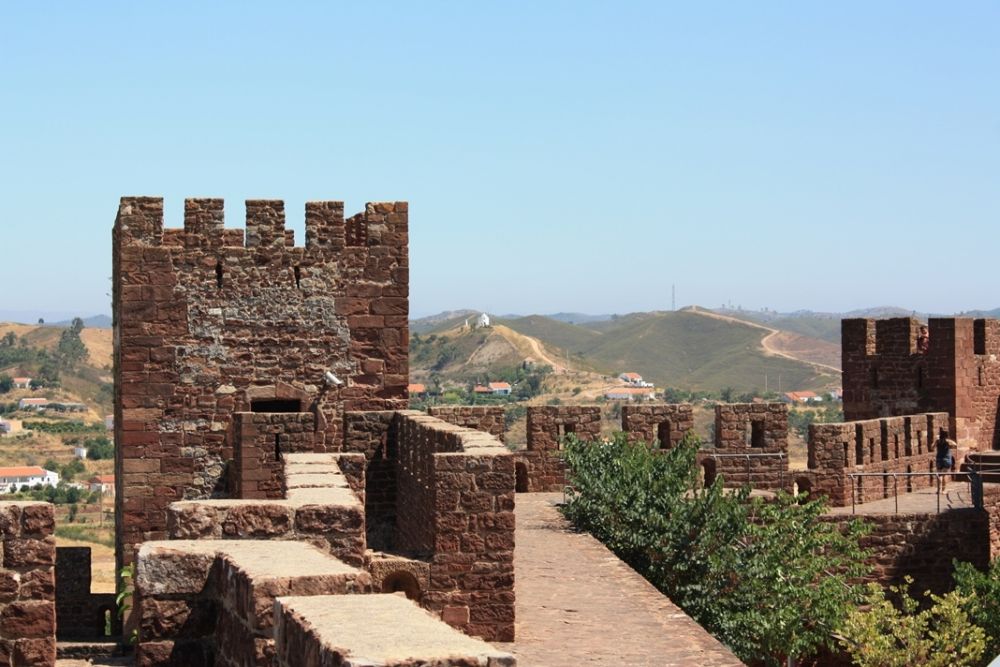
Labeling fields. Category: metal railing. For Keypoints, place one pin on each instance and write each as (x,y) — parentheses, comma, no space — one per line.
(975,485)
(754,455)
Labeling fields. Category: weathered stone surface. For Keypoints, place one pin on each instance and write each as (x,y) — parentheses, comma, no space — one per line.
(28,619)
(214,322)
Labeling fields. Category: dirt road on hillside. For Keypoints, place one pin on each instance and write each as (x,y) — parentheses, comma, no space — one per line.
(767,341)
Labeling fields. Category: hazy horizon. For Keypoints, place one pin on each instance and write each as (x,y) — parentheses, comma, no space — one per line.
(575,157)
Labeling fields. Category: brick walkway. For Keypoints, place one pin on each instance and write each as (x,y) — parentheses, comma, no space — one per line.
(577,604)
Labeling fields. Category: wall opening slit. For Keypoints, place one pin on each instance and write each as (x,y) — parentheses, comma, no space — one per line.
(218,275)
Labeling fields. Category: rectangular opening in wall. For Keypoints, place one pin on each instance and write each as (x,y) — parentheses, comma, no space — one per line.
(756,434)
(874,377)
(859,454)
(871,449)
(979,336)
(663,434)
(275,405)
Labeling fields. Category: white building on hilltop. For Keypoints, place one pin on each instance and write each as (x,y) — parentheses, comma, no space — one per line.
(482,321)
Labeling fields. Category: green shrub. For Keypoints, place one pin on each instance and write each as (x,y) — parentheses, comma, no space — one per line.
(768,578)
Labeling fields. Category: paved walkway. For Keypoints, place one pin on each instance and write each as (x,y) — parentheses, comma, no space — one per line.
(577,604)
(954,495)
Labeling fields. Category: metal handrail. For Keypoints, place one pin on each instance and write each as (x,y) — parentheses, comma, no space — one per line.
(895,484)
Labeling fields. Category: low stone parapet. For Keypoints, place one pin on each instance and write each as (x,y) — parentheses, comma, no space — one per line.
(320,507)
(196,599)
(325,631)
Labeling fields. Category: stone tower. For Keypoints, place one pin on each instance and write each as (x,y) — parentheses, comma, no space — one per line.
(209,321)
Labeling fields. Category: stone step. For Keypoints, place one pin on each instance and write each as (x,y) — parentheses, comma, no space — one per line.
(395,631)
(87,650)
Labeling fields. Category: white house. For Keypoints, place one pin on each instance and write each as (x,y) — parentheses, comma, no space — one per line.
(22,383)
(5,427)
(482,321)
(634,379)
(33,404)
(500,388)
(80,452)
(13,478)
(630,394)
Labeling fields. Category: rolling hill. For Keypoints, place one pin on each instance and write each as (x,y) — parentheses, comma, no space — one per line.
(692,350)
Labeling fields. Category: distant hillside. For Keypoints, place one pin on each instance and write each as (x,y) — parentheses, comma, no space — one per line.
(90,383)
(687,350)
(448,319)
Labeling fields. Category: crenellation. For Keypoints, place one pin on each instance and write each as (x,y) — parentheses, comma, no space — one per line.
(265,223)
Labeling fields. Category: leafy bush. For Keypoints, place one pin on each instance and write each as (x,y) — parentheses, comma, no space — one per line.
(768,578)
(882,634)
(980,592)
(99,448)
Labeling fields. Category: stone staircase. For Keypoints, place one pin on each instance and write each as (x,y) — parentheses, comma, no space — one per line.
(283,582)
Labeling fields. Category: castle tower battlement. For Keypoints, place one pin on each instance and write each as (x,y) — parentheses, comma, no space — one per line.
(887,372)
(209,319)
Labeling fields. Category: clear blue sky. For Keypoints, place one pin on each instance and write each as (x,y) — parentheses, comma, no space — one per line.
(556,156)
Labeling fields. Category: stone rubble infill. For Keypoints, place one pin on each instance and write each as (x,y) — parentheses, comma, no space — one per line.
(325,631)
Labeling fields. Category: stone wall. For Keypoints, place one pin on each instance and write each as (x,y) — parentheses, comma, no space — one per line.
(540,467)
(456,509)
(373,434)
(27,584)
(885,373)
(259,441)
(924,545)
(888,445)
(751,446)
(81,614)
(204,316)
(208,602)
(663,423)
(488,418)
(320,507)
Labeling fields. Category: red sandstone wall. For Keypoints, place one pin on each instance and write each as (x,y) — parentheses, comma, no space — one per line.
(663,423)
(888,445)
(743,433)
(27,584)
(884,373)
(488,418)
(259,439)
(540,467)
(204,315)
(456,506)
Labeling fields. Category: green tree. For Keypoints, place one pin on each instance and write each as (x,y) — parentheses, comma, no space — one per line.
(99,448)
(981,594)
(6,383)
(882,634)
(71,470)
(71,350)
(769,579)
(9,339)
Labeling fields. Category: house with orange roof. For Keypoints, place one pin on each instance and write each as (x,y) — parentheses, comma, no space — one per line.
(22,383)
(14,477)
(499,388)
(800,397)
(416,389)
(103,483)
